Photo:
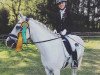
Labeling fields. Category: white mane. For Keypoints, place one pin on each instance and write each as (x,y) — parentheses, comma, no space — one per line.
(42,25)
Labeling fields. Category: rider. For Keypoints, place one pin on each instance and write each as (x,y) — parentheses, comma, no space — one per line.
(62,22)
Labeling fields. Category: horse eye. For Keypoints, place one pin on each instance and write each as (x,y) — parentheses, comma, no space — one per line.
(18,27)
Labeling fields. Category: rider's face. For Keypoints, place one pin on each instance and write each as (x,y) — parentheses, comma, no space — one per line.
(61,5)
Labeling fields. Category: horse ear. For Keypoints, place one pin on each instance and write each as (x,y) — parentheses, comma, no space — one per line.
(20,15)
(27,19)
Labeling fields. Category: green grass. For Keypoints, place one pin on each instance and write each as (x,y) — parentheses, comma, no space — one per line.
(27,62)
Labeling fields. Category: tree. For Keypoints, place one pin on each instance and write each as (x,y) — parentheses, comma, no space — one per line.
(4,14)
(85,13)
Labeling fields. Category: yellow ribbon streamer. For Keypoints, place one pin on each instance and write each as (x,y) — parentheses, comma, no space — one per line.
(19,42)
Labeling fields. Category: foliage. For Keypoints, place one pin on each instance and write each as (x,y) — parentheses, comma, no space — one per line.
(26,7)
(14,7)
(4,19)
(86,13)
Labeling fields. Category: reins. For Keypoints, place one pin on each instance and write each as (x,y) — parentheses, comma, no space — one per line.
(47,40)
(56,39)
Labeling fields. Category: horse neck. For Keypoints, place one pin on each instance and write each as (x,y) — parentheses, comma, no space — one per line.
(38,32)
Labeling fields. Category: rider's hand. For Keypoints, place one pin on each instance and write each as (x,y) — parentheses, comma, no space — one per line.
(64,32)
(55,31)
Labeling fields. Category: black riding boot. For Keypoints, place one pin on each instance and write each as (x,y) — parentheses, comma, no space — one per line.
(69,50)
(74,57)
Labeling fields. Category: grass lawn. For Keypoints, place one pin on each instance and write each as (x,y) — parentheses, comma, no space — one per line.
(27,62)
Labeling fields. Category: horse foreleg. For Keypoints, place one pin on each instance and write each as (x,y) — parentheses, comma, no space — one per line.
(48,72)
(56,72)
(74,71)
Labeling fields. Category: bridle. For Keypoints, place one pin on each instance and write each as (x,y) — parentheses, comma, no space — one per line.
(12,35)
(16,37)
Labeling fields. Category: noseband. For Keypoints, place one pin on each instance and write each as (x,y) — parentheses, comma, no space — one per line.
(12,35)
(16,37)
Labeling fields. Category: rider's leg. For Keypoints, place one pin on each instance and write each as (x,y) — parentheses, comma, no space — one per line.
(71,52)
(74,57)
(67,44)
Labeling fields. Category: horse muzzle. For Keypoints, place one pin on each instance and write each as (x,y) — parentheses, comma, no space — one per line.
(11,43)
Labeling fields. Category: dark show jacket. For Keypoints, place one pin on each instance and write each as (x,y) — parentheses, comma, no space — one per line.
(58,23)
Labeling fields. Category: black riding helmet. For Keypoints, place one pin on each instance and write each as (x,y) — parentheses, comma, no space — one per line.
(60,1)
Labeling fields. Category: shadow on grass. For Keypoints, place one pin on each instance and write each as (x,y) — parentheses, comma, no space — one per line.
(91,62)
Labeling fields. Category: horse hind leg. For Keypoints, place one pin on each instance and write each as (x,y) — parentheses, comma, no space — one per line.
(74,71)
(79,62)
(80,56)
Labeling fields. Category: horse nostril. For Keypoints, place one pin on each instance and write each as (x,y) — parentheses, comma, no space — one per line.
(11,43)
(7,43)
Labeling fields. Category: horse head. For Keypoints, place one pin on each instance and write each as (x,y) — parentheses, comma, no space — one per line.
(20,30)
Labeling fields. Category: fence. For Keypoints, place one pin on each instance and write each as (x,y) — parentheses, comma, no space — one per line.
(87,34)
(81,34)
